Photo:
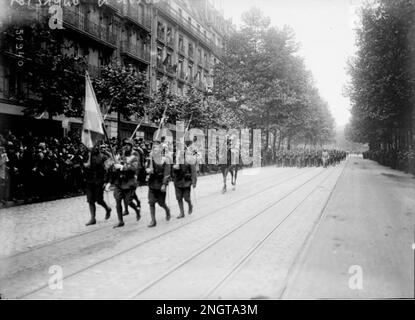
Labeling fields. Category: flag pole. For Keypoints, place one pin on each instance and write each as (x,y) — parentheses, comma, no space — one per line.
(109,107)
(187,129)
(136,129)
(190,120)
(162,120)
(141,122)
(102,119)
(109,142)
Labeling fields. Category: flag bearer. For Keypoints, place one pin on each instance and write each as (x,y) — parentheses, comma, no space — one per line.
(95,176)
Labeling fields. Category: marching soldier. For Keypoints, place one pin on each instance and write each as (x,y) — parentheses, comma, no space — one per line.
(184,177)
(325,158)
(96,177)
(159,175)
(140,176)
(125,182)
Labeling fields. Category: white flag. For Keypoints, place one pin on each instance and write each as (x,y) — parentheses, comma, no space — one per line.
(93,122)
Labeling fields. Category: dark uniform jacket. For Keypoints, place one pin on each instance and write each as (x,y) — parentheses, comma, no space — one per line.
(126,178)
(141,170)
(160,175)
(96,173)
(185,176)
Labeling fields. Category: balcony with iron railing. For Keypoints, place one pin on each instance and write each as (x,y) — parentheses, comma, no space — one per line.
(114,5)
(143,21)
(135,51)
(100,32)
(168,10)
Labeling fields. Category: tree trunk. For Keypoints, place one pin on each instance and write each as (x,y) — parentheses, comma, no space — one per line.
(267,143)
(274,144)
(280,139)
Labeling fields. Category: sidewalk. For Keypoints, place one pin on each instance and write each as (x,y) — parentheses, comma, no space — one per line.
(368,233)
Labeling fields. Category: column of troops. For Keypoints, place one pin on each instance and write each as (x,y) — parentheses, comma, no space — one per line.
(132,167)
(309,158)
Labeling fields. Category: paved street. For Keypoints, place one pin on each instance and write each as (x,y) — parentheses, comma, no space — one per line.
(283,233)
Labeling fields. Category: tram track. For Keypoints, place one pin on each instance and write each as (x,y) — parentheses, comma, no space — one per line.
(223,236)
(209,214)
(301,253)
(242,261)
(109,227)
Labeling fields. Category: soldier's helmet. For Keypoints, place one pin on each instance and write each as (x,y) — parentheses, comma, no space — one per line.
(188,138)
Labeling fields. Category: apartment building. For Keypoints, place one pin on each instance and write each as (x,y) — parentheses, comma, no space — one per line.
(177,40)
(187,43)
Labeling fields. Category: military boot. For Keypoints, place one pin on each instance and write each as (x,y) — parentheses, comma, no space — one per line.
(120,218)
(168,215)
(153,222)
(92,210)
(181,216)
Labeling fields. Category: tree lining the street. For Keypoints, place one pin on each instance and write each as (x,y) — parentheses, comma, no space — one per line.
(123,90)
(260,83)
(382,80)
(198,107)
(263,80)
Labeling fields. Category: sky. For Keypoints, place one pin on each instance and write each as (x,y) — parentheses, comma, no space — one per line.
(325,32)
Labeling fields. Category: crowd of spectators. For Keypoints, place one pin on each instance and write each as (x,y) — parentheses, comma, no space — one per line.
(42,168)
(36,168)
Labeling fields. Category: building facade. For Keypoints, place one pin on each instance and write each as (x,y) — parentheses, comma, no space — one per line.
(174,40)
(188,39)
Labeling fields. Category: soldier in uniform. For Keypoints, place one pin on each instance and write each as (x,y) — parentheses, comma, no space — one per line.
(125,182)
(140,176)
(95,178)
(159,175)
(325,158)
(185,176)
